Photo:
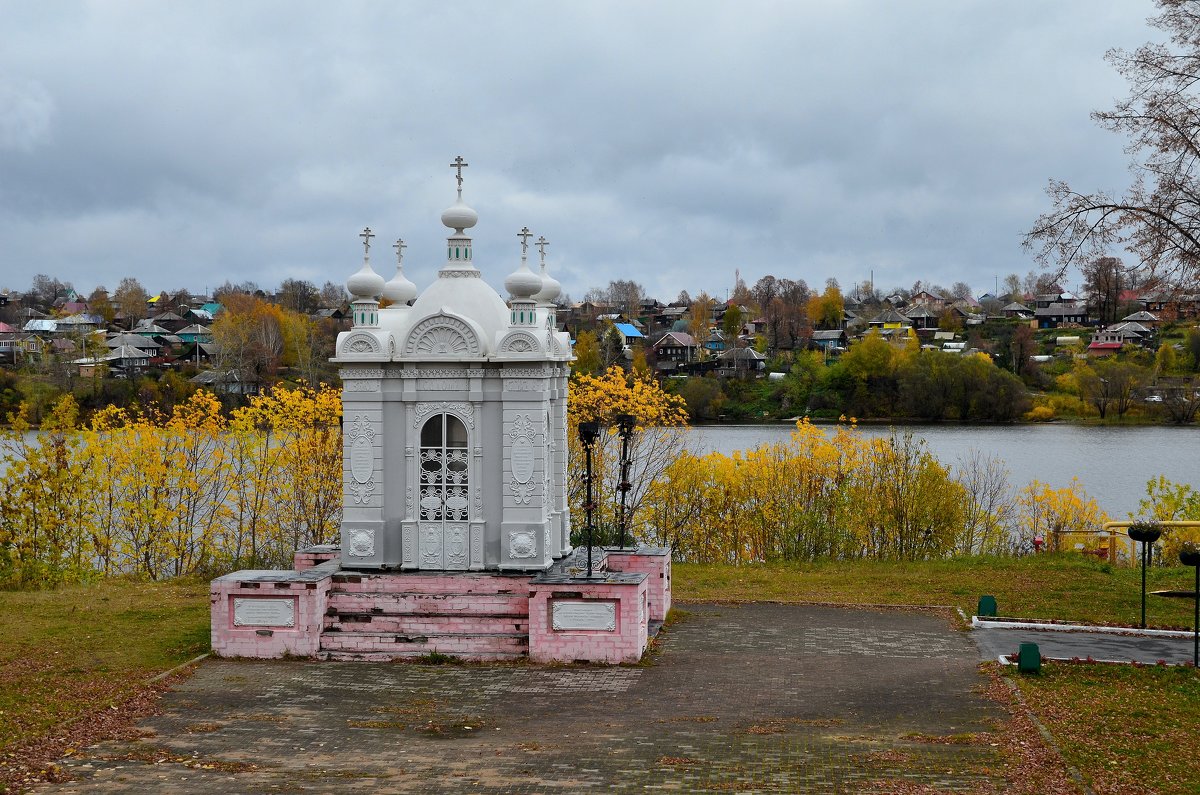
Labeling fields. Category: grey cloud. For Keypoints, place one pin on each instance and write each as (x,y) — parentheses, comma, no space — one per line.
(666,142)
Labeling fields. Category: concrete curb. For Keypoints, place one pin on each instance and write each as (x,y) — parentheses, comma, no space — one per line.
(976,623)
(180,667)
(1047,736)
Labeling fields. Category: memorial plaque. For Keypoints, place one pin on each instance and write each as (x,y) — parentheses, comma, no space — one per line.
(362,460)
(569,616)
(256,612)
(522,460)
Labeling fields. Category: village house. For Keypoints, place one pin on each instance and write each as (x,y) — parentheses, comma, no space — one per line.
(674,348)
(1057,314)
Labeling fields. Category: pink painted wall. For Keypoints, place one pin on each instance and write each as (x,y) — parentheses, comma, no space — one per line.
(624,645)
(301,640)
(656,565)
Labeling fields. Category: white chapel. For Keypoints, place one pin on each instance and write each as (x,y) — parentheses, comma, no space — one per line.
(455,422)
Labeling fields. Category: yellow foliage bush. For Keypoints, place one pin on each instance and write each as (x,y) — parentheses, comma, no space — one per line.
(811,497)
(154,496)
(657,441)
(1039,414)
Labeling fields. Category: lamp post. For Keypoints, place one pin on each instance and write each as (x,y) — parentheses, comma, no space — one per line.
(588,433)
(625,425)
(1191,557)
(1146,533)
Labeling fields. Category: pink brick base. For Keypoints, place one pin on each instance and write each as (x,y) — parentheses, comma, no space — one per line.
(655,563)
(301,640)
(307,558)
(624,645)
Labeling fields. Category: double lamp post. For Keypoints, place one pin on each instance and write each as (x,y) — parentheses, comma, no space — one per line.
(589,433)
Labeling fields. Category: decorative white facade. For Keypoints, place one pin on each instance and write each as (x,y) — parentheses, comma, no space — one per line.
(454,417)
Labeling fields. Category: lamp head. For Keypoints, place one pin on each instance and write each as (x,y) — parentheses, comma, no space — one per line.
(626,423)
(1146,532)
(589,432)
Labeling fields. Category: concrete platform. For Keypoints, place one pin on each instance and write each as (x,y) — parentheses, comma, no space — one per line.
(756,698)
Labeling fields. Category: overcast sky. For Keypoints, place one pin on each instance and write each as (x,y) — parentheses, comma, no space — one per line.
(187,143)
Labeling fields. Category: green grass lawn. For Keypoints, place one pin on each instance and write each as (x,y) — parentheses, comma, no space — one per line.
(70,654)
(1066,586)
(1127,730)
(66,653)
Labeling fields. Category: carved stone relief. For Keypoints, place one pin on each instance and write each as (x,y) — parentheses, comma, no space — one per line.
(522,544)
(361,372)
(360,542)
(464,411)
(519,342)
(361,344)
(442,335)
(443,384)
(360,436)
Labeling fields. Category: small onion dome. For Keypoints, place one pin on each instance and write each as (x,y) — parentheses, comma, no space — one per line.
(523,283)
(459,216)
(550,288)
(399,289)
(365,283)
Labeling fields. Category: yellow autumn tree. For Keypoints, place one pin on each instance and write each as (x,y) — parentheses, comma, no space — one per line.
(304,490)
(779,501)
(44,497)
(143,494)
(1064,517)
(657,441)
(908,507)
(1168,501)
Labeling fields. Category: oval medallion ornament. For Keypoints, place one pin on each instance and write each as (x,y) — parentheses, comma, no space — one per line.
(362,460)
(522,460)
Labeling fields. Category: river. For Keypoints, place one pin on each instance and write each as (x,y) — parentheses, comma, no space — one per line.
(1112,463)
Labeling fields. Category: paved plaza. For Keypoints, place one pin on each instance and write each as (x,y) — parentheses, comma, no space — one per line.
(1081,644)
(752,698)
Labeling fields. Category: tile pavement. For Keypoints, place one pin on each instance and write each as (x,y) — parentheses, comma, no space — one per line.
(756,698)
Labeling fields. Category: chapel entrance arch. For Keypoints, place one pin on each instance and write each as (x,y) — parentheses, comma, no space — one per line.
(444,535)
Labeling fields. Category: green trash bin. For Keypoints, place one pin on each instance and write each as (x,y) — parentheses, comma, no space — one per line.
(1029,659)
(987,606)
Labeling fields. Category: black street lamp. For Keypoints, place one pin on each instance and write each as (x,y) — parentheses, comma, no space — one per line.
(1191,557)
(625,425)
(1146,533)
(589,432)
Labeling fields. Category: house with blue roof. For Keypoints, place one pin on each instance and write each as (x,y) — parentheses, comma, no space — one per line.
(629,332)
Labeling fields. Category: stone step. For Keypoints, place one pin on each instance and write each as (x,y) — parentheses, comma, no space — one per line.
(424,623)
(468,646)
(391,656)
(394,603)
(430,583)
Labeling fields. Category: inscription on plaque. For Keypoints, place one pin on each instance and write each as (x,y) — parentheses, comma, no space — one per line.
(522,460)
(569,616)
(362,460)
(264,612)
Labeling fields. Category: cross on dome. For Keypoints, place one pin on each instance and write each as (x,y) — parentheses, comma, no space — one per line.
(399,245)
(458,165)
(366,234)
(542,242)
(524,234)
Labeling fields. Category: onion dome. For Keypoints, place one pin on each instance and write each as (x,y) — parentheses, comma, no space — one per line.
(399,289)
(550,286)
(523,283)
(459,216)
(365,283)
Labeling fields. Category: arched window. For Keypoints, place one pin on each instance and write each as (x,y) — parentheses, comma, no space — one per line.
(444,469)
